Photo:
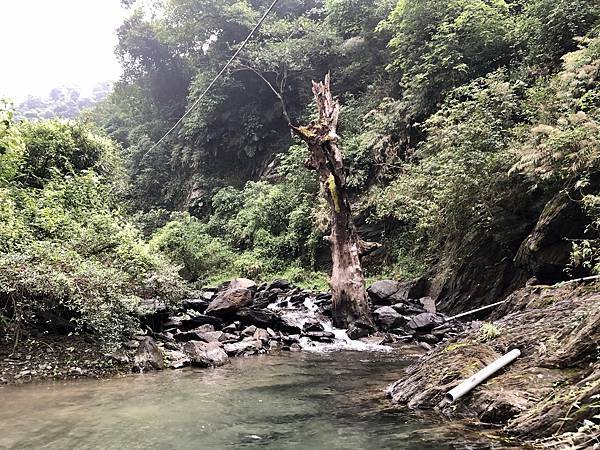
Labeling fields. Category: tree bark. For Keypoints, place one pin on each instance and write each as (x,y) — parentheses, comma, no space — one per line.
(350,305)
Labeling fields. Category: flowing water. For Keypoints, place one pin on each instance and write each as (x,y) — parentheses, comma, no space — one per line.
(299,401)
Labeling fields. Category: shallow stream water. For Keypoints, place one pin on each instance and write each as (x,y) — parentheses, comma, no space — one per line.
(300,401)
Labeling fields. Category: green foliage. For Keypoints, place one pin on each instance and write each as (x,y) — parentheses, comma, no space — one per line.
(438,45)
(440,100)
(546,29)
(563,141)
(66,252)
(488,332)
(12,149)
(252,232)
(586,253)
(187,242)
(59,148)
(463,164)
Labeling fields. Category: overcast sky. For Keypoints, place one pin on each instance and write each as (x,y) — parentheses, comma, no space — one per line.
(49,43)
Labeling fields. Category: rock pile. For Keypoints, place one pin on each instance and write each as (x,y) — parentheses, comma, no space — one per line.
(241,318)
(402,310)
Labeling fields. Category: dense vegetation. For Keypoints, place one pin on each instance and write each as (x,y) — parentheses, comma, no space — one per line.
(462,122)
(69,259)
(460,118)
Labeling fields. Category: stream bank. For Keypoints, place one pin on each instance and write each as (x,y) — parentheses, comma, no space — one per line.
(550,395)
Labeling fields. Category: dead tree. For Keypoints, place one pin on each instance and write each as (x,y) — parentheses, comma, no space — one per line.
(350,306)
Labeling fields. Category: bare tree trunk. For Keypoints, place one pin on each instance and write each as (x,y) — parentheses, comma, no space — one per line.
(350,306)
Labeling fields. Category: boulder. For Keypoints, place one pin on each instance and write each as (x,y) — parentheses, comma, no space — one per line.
(358,330)
(231,328)
(428,304)
(408,309)
(177,359)
(242,283)
(425,322)
(173,322)
(261,335)
(148,356)
(243,347)
(249,331)
(229,301)
(312,325)
(279,284)
(381,291)
(211,336)
(387,318)
(203,354)
(288,325)
(195,304)
(321,336)
(258,316)
(199,334)
(264,299)
(199,320)
(228,338)
(387,292)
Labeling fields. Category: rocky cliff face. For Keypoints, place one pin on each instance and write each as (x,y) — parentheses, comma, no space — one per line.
(531,241)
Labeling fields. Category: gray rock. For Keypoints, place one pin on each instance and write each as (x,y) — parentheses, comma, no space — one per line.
(357,330)
(203,354)
(206,328)
(261,335)
(408,309)
(238,348)
(173,322)
(231,328)
(387,318)
(381,291)
(312,325)
(177,359)
(199,320)
(425,322)
(258,316)
(279,284)
(321,336)
(211,336)
(287,325)
(249,331)
(243,283)
(148,356)
(229,301)
(228,338)
(195,304)
(428,304)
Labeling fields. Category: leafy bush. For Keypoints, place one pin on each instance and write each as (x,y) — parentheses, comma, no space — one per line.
(187,242)
(59,147)
(67,254)
(461,175)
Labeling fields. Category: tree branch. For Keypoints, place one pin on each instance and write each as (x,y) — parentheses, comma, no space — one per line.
(279,94)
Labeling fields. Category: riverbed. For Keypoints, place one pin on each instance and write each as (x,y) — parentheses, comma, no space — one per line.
(300,400)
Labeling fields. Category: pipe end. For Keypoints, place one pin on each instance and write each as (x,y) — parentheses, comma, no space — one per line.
(449,398)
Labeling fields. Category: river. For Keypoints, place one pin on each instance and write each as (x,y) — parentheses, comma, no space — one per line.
(300,401)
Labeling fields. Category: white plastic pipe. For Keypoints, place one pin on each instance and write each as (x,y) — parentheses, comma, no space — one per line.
(467,385)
